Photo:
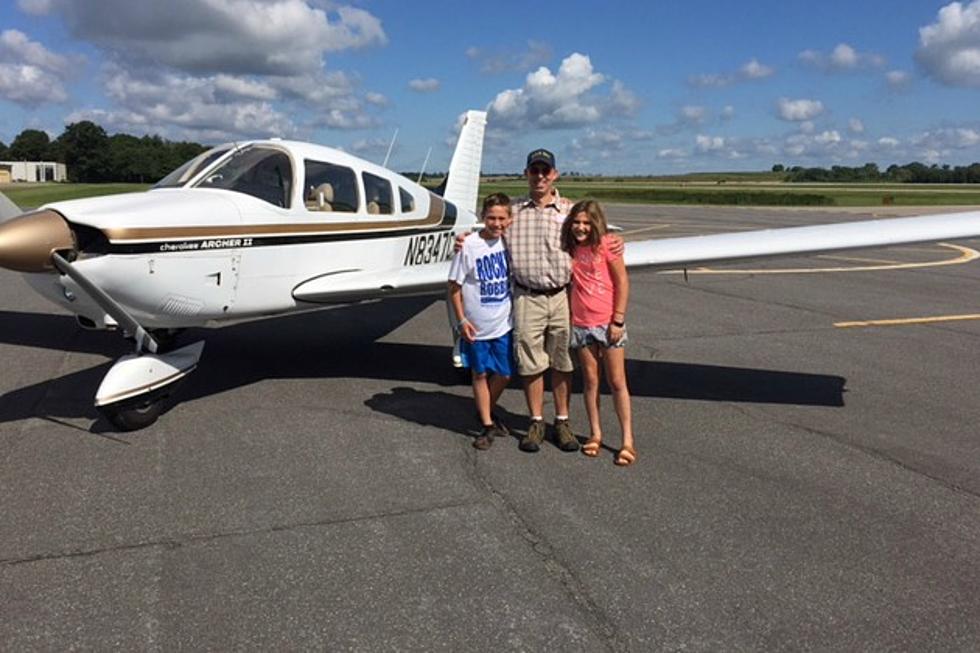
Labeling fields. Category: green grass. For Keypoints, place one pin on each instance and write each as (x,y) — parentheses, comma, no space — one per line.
(707,188)
(754,193)
(30,196)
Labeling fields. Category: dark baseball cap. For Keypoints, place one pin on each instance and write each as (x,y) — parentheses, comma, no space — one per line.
(541,156)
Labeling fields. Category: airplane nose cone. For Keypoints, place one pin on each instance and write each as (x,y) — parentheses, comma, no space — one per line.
(28,241)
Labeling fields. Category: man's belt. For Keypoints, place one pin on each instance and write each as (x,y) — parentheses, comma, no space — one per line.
(548,292)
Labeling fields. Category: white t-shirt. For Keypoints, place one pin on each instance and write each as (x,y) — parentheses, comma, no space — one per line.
(482,269)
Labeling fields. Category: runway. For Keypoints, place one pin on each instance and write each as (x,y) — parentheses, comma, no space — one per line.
(801,485)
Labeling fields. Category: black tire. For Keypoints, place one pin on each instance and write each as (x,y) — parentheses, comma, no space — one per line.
(133,416)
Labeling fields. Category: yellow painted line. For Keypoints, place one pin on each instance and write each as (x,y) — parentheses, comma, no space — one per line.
(966,255)
(908,320)
(641,230)
(856,259)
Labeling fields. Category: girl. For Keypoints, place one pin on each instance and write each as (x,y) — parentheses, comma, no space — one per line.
(600,291)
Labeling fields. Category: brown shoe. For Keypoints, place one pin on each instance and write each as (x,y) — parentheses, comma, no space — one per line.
(535,436)
(564,437)
(485,439)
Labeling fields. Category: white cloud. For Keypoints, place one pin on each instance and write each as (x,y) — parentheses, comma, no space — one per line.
(824,138)
(842,58)
(798,110)
(35,7)
(30,73)
(755,70)
(949,49)
(536,53)
(427,85)
(855,125)
(279,37)
(709,143)
(692,114)
(888,141)
(727,112)
(377,99)
(751,70)
(897,79)
(230,86)
(622,100)
(551,101)
(672,153)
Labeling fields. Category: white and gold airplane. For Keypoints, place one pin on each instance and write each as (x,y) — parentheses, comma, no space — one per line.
(273,227)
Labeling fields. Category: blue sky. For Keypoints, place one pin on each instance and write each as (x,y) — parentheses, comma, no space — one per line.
(628,88)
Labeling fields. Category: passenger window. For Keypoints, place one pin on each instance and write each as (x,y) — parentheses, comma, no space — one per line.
(408,202)
(330,187)
(377,194)
(256,171)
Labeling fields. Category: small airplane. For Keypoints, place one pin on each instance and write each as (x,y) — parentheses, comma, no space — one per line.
(272,227)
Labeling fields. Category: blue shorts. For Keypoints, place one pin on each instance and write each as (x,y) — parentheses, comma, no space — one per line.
(494,355)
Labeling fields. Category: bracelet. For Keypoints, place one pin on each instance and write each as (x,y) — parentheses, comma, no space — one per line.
(618,325)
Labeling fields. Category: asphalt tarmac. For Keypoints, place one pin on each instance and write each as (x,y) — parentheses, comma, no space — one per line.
(799,486)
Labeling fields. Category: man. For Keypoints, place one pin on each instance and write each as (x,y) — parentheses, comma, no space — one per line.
(541,270)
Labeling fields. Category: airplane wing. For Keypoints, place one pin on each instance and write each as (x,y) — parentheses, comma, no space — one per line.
(693,251)
(355,285)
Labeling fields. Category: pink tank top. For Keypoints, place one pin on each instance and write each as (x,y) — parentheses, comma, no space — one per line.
(592,287)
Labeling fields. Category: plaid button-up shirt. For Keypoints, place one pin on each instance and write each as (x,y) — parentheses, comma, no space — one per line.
(534,243)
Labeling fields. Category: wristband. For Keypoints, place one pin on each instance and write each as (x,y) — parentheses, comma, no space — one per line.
(618,325)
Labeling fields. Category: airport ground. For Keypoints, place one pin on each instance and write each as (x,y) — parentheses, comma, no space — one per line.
(803,483)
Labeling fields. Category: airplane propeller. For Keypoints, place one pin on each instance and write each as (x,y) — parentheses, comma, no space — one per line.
(132,392)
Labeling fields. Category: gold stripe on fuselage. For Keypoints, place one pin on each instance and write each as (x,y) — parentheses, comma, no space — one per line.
(134,234)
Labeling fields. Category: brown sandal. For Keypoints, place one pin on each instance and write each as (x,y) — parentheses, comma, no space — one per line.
(592,447)
(626,456)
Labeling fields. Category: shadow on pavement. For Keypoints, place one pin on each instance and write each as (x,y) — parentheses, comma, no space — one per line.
(342,343)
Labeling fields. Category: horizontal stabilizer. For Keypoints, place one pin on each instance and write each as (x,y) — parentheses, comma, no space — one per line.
(675,253)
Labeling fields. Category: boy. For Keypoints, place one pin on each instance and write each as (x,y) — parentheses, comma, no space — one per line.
(479,289)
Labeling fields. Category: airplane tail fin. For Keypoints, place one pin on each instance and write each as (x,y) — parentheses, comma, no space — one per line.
(8,209)
(462,184)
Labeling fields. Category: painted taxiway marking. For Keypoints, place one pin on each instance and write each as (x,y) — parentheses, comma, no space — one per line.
(655,227)
(966,255)
(908,320)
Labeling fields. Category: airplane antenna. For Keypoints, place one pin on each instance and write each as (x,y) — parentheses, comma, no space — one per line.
(424,163)
(390,146)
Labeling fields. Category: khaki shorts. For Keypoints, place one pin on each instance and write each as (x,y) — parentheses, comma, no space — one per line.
(542,331)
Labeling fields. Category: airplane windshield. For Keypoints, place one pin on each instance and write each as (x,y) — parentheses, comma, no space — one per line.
(261,172)
(186,172)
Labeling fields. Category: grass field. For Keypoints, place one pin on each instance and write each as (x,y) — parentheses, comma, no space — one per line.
(756,193)
(35,195)
(754,189)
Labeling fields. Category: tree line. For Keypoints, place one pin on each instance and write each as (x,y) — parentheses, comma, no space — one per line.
(910,173)
(92,156)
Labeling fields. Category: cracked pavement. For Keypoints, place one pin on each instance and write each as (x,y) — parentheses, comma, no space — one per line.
(798,487)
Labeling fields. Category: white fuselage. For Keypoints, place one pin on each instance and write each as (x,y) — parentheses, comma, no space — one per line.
(190,255)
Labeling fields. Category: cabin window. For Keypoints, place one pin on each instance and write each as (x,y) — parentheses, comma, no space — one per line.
(330,187)
(189,170)
(261,172)
(408,202)
(377,194)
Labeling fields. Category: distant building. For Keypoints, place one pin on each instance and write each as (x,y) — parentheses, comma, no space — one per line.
(32,171)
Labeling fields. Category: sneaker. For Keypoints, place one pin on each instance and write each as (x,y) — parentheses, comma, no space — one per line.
(503,431)
(485,439)
(535,436)
(564,436)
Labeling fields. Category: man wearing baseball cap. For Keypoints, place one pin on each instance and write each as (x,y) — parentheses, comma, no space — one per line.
(541,271)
